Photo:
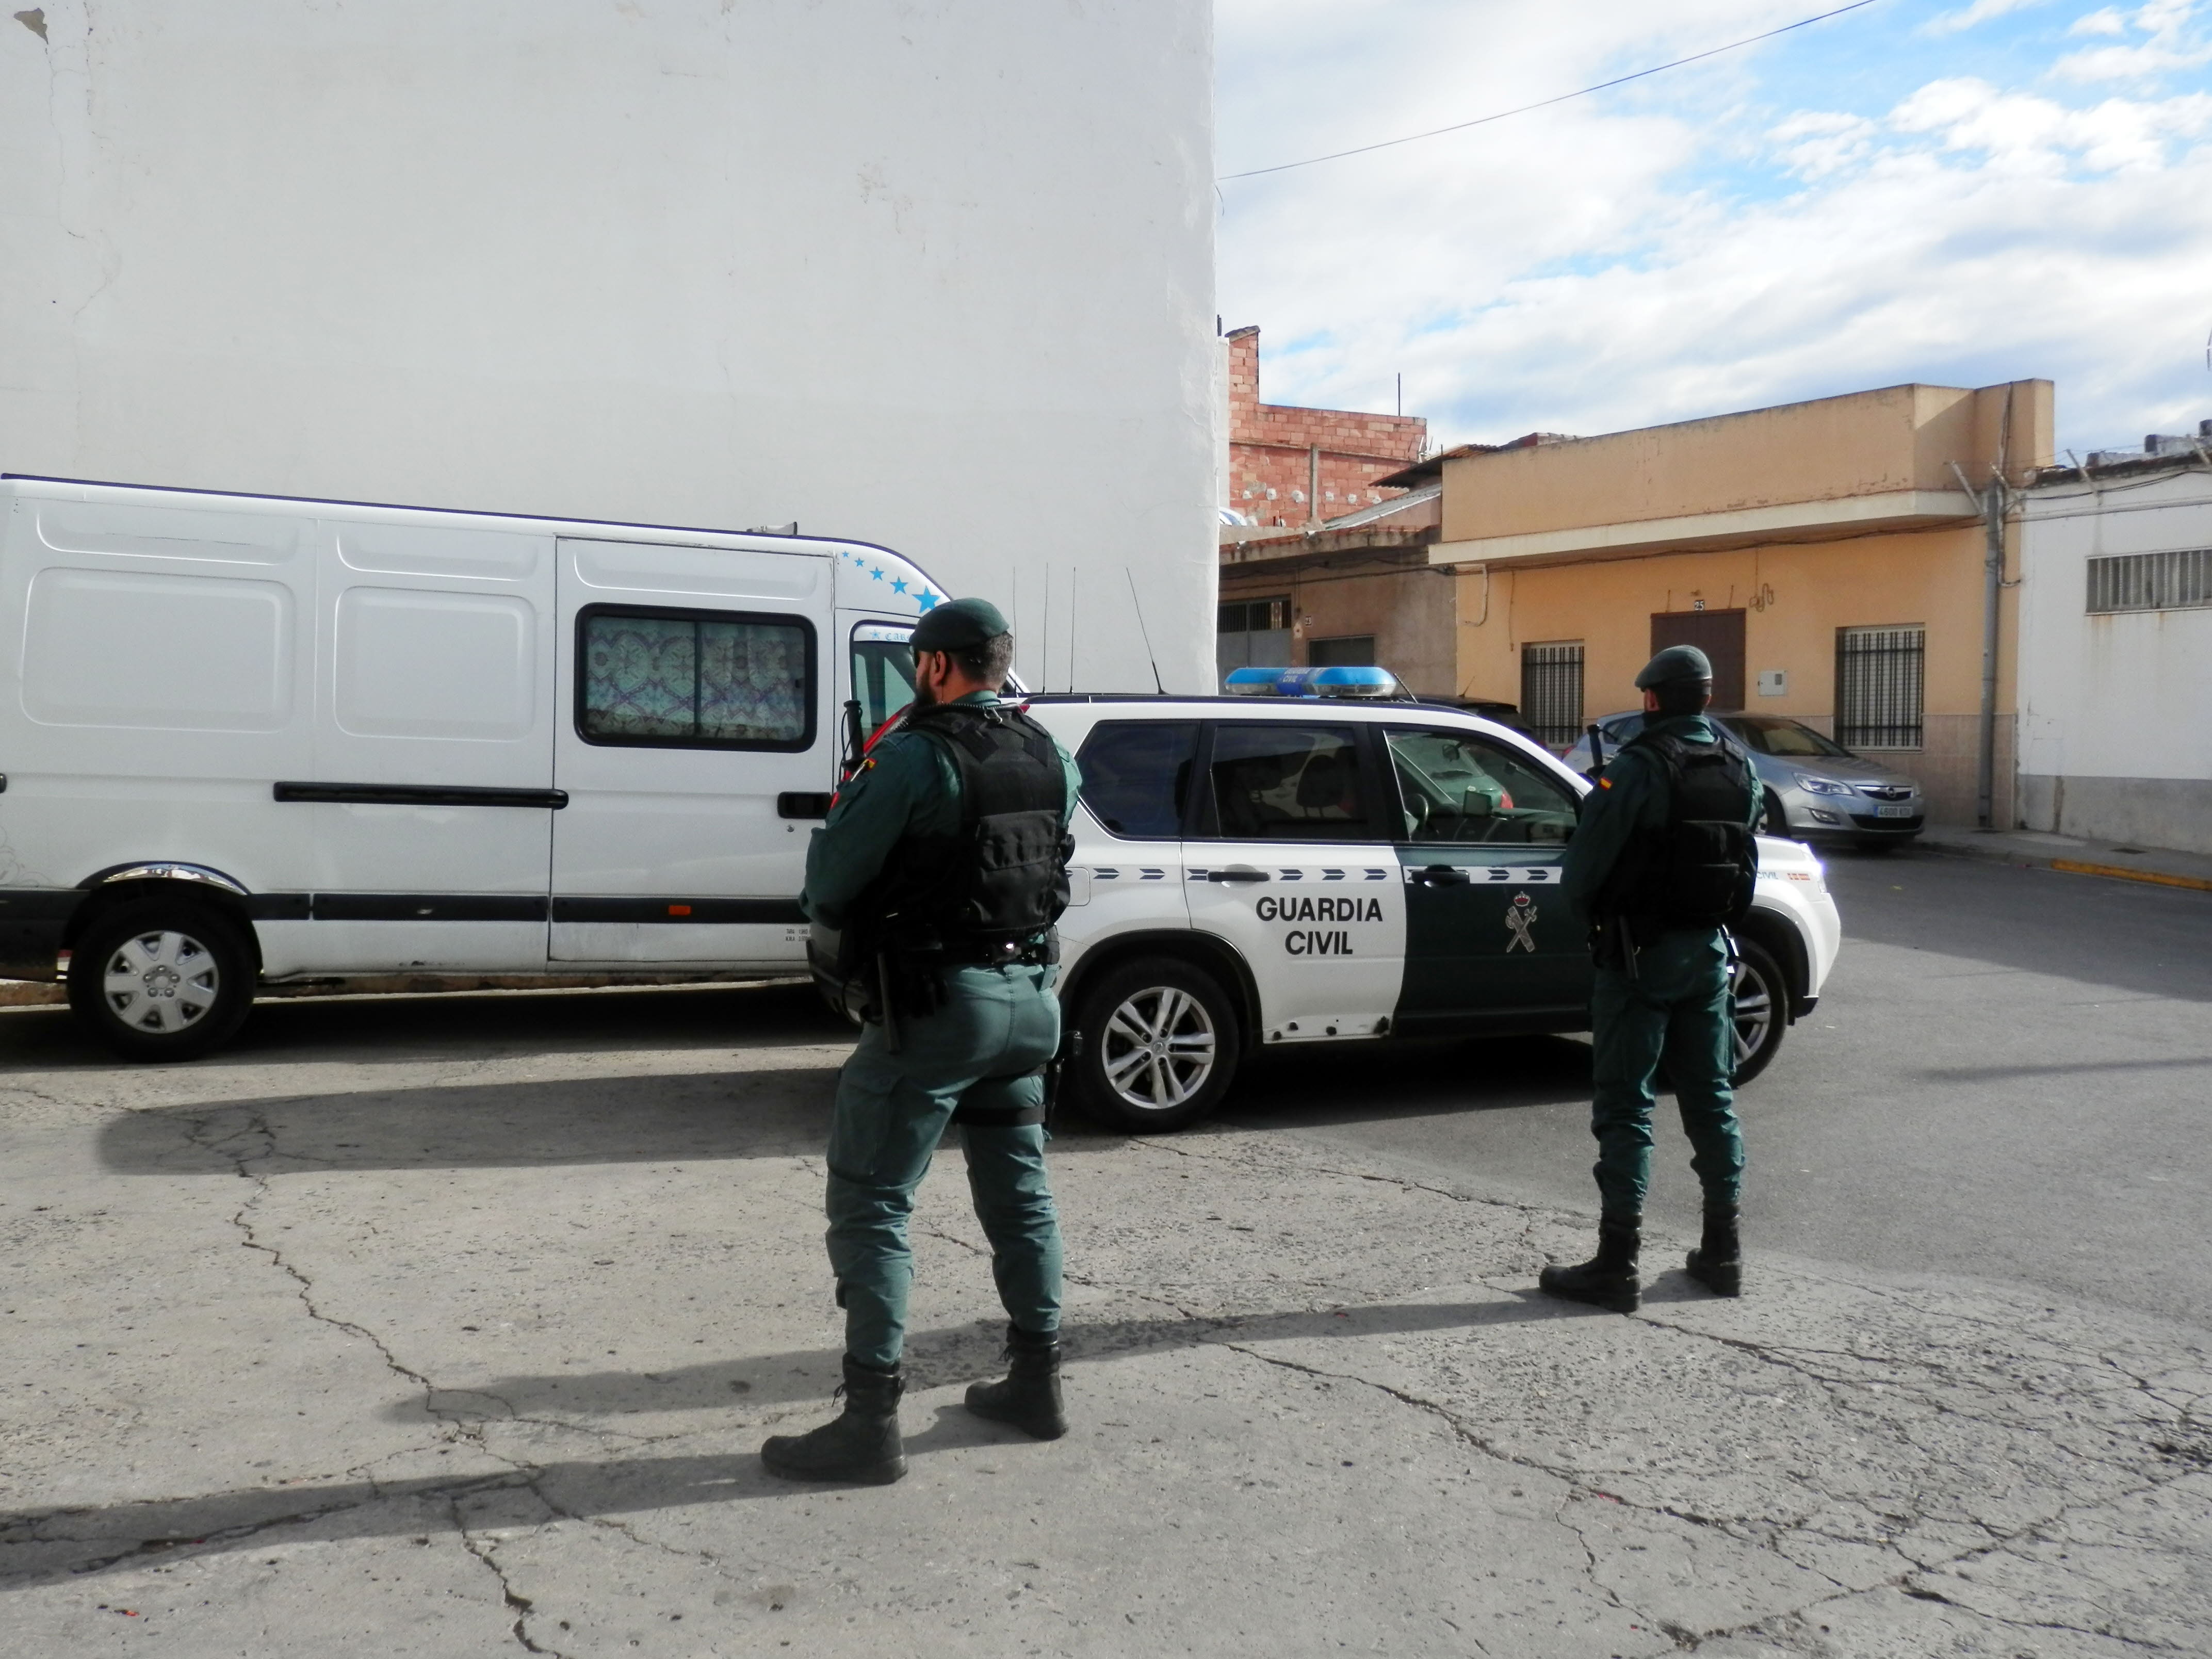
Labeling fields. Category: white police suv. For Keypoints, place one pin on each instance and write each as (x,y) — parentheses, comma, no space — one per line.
(1319,860)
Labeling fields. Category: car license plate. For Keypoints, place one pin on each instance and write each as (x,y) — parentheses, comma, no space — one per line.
(1894,808)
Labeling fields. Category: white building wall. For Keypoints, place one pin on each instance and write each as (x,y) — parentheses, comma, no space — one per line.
(934,275)
(2116,710)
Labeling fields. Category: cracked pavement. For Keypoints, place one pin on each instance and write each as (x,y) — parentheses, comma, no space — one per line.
(451,1328)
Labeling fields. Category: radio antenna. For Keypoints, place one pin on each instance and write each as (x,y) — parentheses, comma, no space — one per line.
(1144,630)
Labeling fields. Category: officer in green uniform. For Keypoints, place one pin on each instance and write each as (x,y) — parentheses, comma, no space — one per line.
(941,870)
(1663,860)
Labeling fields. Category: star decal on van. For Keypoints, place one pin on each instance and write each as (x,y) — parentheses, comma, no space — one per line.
(928,600)
(899,587)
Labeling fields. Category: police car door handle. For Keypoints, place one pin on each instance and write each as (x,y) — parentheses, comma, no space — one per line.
(1238,873)
(1442,875)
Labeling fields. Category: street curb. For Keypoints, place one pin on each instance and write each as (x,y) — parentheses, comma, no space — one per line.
(2023,861)
(2160,877)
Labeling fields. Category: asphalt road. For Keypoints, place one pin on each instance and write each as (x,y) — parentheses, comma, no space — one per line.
(2010,1077)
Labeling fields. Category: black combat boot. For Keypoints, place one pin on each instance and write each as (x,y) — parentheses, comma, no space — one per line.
(1608,1279)
(1717,1262)
(862,1445)
(1030,1397)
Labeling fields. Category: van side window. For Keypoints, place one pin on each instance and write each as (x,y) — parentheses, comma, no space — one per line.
(883,670)
(693,679)
(1136,775)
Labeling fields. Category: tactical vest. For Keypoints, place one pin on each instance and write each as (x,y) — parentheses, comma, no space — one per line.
(1701,867)
(987,891)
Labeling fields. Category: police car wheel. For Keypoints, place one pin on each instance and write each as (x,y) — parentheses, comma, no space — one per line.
(1159,1046)
(1760,999)
(162,979)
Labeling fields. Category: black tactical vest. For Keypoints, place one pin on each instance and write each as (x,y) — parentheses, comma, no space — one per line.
(1700,868)
(987,891)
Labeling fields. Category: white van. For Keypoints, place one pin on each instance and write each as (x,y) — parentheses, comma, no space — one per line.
(248,737)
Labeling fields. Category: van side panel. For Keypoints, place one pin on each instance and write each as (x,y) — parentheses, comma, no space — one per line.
(156,673)
(435,664)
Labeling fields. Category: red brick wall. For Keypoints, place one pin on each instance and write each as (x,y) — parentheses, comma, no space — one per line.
(1270,448)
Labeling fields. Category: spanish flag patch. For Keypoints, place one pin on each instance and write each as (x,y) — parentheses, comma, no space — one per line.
(1605,783)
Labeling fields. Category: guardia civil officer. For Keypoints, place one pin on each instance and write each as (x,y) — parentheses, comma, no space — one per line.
(1663,860)
(939,872)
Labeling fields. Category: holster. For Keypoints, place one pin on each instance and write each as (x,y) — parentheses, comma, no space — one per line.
(1613,945)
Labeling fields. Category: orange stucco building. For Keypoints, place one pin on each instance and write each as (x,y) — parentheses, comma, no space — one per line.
(1829,555)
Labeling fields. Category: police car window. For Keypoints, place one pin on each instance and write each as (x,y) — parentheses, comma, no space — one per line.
(1275,781)
(693,679)
(1456,787)
(883,670)
(1136,775)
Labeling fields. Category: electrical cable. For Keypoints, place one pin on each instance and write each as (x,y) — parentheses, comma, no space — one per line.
(1483,120)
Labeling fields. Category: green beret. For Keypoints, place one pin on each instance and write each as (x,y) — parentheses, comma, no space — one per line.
(1676,662)
(959,625)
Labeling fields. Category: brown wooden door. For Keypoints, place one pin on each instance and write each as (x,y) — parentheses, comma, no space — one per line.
(1719,634)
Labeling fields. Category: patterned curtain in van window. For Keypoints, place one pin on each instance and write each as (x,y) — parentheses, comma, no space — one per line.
(752,683)
(641,676)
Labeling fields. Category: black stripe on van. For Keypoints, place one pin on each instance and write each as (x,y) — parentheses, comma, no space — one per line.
(417,794)
(678,910)
(429,907)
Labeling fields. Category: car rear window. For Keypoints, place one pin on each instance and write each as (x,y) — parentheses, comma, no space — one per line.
(1136,775)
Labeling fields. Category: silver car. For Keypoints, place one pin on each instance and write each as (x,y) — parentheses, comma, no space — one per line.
(1816,789)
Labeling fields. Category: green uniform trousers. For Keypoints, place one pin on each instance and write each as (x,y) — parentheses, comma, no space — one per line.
(980,1048)
(1675,1010)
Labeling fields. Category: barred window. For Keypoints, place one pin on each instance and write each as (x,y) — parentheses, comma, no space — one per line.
(1253,616)
(2178,581)
(1551,691)
(1880,685)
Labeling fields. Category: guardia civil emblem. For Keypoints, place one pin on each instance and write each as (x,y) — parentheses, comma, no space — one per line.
(1520,917)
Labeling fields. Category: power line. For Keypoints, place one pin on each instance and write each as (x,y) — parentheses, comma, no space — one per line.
(1483,120)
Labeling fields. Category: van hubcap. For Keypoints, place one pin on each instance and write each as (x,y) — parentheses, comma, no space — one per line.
(161,982)
(1158,1049)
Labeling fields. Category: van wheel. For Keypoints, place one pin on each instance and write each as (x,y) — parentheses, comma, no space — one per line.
(1159,1046)
(162,979)
(1759,999)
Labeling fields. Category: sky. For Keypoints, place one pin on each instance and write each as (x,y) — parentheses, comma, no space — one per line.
(1953,191)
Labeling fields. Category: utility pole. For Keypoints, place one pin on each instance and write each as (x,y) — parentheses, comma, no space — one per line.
(1993,504)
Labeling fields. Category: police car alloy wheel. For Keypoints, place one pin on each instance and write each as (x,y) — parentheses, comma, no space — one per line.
(1160,1042)
(1756,989)
(160,979)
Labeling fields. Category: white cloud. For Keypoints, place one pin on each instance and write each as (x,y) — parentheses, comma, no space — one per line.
(2171,46)
(1981,11)
(2110,21)
(1616,262)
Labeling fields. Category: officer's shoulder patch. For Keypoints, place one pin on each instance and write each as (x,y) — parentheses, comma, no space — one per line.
(1602,783)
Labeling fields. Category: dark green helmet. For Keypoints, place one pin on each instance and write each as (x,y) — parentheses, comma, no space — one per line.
(959,625)
(1676,662)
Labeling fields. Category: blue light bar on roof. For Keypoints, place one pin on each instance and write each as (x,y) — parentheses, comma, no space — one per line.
(1311,683)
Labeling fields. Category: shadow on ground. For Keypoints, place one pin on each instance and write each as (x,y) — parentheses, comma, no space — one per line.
(380,1030)
(953,1354)
(1375,1083)
(37,1545)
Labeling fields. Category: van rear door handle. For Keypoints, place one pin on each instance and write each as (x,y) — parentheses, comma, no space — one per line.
(1442,875)
(1238,873)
